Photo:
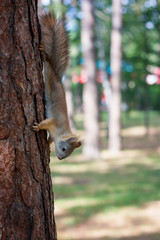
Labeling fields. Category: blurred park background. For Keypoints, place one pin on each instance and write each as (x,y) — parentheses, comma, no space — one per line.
(109,189)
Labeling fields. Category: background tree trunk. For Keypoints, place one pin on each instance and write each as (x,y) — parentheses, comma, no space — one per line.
(69,100)
(115,107)
(90,93)
(79,105)
(26,198)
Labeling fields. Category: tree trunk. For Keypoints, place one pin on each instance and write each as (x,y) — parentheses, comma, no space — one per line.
(79,105)
(69,101)
(26,198)
(115,108)
(90,93)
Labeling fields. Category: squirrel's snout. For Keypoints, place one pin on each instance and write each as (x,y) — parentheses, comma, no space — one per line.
(60,158)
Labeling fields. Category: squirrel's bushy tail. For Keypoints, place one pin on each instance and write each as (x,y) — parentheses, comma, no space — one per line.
(55,42)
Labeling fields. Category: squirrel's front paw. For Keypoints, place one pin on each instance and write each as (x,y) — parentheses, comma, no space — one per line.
(36,127)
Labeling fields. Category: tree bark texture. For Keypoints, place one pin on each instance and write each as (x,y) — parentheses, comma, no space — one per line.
(115,107)
(90,93)
(26,198)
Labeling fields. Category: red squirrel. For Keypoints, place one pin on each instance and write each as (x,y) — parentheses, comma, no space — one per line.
(55,51)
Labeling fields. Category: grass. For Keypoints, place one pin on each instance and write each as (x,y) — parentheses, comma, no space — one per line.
(131,184)
(133,118)
(92,198)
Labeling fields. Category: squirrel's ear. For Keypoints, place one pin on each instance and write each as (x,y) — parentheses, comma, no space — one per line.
(74,141)
(71,140)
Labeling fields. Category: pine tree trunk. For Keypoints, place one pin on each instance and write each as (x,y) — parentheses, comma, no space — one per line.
(90,92)
(79,105)
(26,198)
(115,107)
(69,100)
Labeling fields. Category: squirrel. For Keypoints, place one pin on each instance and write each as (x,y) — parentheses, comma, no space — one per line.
(55,53)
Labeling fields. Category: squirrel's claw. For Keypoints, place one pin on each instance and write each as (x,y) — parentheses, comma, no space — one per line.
(36,127)
(41,48)
(44,56)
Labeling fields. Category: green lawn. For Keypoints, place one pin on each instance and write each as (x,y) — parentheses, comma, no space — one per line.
(131,184)
(87,191)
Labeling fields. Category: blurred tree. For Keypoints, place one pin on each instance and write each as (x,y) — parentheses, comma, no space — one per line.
(69,100)
(68,88)
(79,100)
(115,107)
(90,91)
(26,203)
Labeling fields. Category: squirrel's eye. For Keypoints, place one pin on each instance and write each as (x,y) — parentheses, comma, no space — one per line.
(63,149)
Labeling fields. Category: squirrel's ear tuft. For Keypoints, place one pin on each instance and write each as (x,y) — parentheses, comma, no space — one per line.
(78,144)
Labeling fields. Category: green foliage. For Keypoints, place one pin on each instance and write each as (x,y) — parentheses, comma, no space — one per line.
(140,45)
(140,50)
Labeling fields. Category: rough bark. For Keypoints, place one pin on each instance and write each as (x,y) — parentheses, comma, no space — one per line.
(115,107)
(26,198)
(90,93)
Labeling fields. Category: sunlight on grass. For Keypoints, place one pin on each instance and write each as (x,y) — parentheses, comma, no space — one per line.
(103,187)
(114,198)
